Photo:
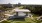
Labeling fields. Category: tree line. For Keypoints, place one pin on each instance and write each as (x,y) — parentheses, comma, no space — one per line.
(36,9)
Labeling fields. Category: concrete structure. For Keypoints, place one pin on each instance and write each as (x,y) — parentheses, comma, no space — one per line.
(20,13)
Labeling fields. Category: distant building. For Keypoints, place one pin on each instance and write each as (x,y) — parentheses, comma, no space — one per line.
(7,5)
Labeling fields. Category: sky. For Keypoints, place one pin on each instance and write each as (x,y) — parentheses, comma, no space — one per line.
(21,1)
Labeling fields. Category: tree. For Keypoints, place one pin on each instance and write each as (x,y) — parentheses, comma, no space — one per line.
(9,5)
(19,4)
(36,9)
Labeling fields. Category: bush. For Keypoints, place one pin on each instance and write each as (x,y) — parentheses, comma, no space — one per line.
(5,22)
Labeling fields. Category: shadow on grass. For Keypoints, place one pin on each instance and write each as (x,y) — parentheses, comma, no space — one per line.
(19,19)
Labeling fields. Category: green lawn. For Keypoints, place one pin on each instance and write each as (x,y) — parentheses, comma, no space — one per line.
(26,20)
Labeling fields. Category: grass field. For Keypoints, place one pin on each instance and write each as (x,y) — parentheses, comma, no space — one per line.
(26,20)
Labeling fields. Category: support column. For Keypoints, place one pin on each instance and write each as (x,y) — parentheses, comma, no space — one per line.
(16,13)
(26,13)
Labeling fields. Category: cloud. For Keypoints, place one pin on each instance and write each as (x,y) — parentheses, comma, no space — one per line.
(21,1)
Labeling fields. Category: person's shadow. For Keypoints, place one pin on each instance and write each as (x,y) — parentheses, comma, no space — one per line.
(19,19)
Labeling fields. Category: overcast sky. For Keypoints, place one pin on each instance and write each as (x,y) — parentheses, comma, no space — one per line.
(21,1)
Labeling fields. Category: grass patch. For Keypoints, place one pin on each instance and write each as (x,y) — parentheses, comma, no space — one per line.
(5,22)
(26,20)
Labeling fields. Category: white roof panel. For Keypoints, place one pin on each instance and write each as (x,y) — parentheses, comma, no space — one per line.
(22,10)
